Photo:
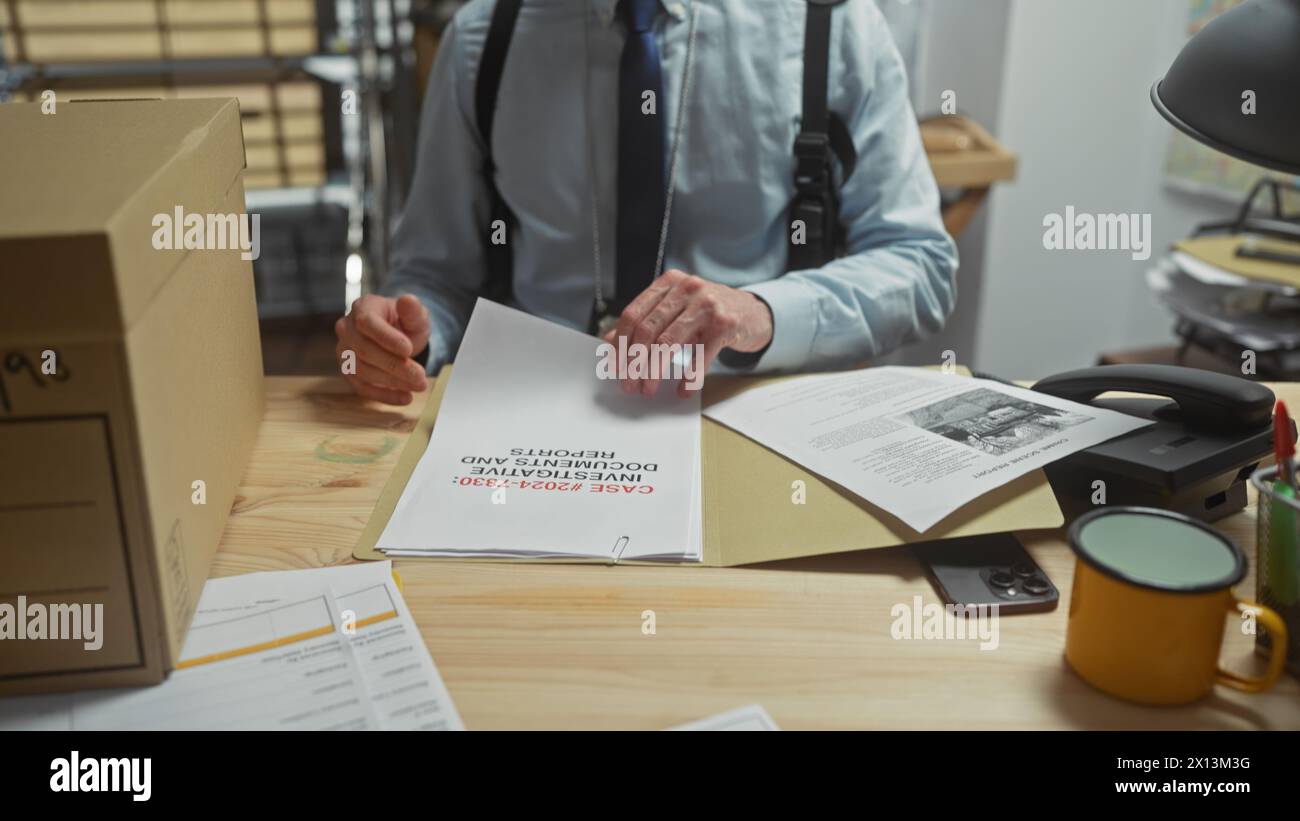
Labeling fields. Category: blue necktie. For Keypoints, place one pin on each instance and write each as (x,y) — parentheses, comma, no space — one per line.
(641,186)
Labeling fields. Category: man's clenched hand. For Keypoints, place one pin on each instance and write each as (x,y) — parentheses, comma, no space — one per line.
(384,333)
(680,309)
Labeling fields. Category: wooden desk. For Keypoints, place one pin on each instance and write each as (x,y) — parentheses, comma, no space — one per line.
(560,646)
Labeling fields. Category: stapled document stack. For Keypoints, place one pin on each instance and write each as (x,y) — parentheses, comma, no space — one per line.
(536,456)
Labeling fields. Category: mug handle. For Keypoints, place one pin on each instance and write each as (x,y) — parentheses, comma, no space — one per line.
(1277,652)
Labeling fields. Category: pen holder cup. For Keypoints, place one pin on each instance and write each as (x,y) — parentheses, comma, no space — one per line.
(1277,563)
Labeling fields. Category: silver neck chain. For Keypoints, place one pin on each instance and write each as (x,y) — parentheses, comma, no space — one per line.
(678,128)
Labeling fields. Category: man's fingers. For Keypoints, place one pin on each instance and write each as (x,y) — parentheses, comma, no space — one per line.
(371,319)
(413,320)
(689,328)
(630,320)
(639,309)
(653,330)
(379,333)
(404,369)
(383,379)
(645,301)
(658,318)
(386,395)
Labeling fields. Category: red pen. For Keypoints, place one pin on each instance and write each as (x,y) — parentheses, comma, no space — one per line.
(1281,574)
(1283,445)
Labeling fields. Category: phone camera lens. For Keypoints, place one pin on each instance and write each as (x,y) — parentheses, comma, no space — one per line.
(1037,586)
(1023,569)
(1001,578)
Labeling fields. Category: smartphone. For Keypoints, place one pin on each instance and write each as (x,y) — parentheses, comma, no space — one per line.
(993,569)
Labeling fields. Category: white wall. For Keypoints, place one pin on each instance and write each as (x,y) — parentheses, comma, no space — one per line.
(1075,107)
(945,60)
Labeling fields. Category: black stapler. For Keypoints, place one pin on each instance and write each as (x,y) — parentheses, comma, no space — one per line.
(1211,431)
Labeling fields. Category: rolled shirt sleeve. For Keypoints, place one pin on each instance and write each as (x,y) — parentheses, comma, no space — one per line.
(438,241)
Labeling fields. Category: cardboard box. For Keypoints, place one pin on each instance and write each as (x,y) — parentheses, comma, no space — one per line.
(128,373)
(284,141)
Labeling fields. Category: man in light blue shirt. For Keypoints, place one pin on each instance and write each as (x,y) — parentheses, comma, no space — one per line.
(555,143)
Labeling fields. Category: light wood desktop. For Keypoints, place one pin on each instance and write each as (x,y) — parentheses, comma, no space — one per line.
(562,647)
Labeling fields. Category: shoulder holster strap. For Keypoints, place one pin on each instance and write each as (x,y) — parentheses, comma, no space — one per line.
(822,137)
(500,260)
(814,211)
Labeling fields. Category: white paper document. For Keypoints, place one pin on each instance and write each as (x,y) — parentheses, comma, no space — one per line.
(917,443)
(750,718)
(327,649)
(534,455)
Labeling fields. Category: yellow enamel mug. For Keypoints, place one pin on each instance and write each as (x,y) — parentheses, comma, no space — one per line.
(1147,612)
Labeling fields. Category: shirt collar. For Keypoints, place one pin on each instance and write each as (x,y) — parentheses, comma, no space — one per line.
(606,10)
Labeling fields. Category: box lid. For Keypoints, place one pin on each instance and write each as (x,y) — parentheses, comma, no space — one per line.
(82,188)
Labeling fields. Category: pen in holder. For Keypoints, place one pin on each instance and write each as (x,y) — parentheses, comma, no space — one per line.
(1277,571)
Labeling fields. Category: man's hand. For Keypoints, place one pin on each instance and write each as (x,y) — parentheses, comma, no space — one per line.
(383,334)
(680,309)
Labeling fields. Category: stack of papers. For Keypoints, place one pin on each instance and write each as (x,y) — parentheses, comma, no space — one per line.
(1257,317)
(1214,259)
(534,455)
(1228,304)
(328,649)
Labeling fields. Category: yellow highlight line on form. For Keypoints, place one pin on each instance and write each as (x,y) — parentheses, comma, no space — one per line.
(270,645)
(369,620)
(257,648)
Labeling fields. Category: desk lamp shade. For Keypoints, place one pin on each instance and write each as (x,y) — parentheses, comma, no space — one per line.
(1252,47)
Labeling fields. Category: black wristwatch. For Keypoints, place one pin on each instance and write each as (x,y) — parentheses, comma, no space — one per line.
(744,361)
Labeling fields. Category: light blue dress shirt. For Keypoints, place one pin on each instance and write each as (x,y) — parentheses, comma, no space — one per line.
(734,177)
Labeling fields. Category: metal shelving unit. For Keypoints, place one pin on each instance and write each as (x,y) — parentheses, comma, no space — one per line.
(360,61)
